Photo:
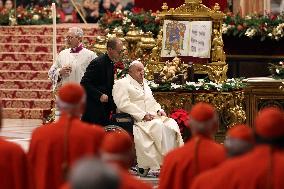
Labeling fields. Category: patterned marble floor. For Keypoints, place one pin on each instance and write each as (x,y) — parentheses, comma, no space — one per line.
(19,130)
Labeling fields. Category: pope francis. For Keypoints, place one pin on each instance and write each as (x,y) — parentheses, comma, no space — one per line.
(154,133)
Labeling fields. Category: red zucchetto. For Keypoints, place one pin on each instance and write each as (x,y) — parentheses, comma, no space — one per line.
(270,123)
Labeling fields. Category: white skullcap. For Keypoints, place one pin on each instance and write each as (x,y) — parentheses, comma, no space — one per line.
(77,31)
(135,62)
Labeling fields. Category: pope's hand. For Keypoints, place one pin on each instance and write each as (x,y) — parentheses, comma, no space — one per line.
(162,113)
(148,117)
(104,98)
(65,71)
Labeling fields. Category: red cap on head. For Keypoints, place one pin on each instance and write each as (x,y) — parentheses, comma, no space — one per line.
(242,132)
(71,93)
(117,143)
(202,112)
(270,123)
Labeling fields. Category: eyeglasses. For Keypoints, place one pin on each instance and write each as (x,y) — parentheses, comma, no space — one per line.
(70,37)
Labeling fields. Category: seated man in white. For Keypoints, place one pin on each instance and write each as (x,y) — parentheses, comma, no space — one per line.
(154,133)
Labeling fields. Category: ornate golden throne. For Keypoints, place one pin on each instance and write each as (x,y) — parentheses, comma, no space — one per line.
(193,10)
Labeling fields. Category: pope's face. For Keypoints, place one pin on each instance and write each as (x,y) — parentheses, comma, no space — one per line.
(137,72)
(72,40)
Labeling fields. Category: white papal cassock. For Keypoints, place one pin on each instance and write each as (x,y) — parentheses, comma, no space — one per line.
(78,62)
(153,139)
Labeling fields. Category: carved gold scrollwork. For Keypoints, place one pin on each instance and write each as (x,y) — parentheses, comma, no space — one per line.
(228,104)
(172,100)
(217,71)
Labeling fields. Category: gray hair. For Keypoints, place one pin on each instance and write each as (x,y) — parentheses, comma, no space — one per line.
(112,42)
(92,173)
(77,31)
(203,126)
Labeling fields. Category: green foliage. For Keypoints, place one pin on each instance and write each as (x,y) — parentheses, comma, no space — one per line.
(143,20)
(264,27)
(202,85)
(28,16)
(4,17)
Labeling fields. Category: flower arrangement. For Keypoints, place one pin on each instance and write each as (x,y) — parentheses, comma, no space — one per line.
(121,68)
(4,17)
(28,16)
(144,20)
(181,116)
(277,70)
(266,26)
(201,85)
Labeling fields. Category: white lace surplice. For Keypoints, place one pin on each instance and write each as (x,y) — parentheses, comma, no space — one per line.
(77,61)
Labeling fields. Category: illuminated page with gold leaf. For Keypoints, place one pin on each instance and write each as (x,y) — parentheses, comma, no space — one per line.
(175,38)
(200,39)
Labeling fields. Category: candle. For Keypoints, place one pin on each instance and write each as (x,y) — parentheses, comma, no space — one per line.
(54,48)
(267,6)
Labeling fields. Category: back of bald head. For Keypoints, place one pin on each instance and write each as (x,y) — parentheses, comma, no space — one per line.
(203,119)
(92,173)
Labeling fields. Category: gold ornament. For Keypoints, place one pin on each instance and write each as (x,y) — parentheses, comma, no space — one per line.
(36,17)
(218,53)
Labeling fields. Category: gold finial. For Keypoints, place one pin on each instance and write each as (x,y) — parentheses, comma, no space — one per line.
(193,1)
(216,7)
(172,10)
(165,7)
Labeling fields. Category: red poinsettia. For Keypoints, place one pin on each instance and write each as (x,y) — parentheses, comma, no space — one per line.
(181,116)
(136,10)
(118,65)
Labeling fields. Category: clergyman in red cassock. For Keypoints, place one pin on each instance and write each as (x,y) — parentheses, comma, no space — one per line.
(239,141)
(199,154)
(13,164)
(118,150)
(54,147)
(263,167)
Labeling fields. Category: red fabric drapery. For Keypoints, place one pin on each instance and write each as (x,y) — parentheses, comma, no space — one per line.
(155,5)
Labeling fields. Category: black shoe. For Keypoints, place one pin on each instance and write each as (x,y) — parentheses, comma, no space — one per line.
(142,172)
